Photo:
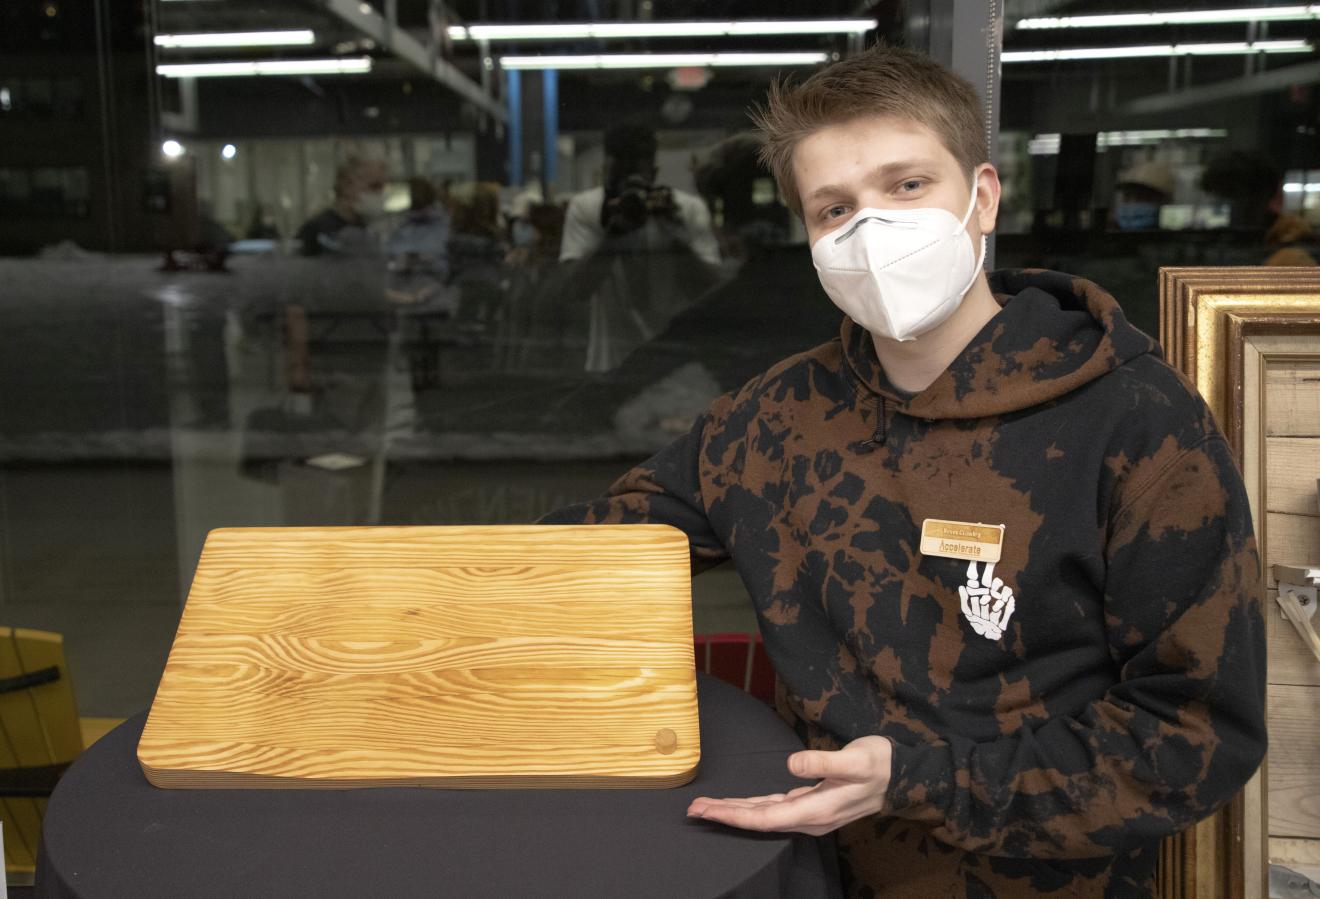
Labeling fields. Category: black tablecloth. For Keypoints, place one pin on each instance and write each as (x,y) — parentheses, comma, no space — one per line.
(109,833)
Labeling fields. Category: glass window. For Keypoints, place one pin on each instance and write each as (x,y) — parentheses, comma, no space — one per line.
(1132,139)
(303,280)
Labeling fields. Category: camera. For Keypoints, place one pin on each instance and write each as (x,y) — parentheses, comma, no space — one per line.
(630,204)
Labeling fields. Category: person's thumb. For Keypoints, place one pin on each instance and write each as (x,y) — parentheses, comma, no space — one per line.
(814,764)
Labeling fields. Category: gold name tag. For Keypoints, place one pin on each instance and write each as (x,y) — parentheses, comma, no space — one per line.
(960,540)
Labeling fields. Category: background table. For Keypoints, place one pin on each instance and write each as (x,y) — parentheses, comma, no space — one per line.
(109,833)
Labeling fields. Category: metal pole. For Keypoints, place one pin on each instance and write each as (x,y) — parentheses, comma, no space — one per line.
(514,77)
(550,129)
(105,90)
(976,32)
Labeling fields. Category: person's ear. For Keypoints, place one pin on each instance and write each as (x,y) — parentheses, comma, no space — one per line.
(987,197)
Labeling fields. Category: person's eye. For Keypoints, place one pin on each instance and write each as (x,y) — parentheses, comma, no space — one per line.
(834,212)
(912,185)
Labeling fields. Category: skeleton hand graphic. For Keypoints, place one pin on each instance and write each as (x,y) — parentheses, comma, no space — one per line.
(986,602)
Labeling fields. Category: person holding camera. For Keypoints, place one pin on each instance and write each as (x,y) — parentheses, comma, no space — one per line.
(630,200)
(638,251)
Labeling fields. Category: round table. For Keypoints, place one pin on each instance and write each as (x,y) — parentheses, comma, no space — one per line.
(109,833)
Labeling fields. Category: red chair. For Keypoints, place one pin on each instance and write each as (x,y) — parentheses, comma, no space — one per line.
(740,660)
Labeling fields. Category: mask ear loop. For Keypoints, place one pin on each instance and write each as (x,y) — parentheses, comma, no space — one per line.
(971,204)
(980,259)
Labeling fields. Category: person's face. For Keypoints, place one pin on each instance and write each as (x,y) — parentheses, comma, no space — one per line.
(367,179)
(880,162)
(618,169)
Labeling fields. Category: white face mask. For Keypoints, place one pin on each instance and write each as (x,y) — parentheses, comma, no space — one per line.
(899,273)
(370,204)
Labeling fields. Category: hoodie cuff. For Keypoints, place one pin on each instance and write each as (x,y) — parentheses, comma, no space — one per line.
(921,782)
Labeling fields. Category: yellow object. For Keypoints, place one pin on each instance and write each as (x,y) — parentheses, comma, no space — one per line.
(962,540)
(41,729)
(431,656)
(94,728)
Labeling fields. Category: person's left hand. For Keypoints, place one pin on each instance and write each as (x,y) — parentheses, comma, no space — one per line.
(852,785)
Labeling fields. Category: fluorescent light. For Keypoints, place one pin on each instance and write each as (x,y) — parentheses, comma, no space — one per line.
(1297,187)
(609,30)
(172,148)
(237,39)
(1240,48)
(661,60)
(266,67)
(1152,135)
(1189,17)
(1048,144)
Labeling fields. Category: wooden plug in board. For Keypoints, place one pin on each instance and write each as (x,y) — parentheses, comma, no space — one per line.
(536,656)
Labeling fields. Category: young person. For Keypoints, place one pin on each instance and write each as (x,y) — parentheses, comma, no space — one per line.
(1000,553)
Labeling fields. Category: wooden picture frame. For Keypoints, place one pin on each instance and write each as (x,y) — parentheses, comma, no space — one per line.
(1222,327)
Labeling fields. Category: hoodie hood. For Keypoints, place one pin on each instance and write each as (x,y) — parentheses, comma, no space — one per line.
(1053,334)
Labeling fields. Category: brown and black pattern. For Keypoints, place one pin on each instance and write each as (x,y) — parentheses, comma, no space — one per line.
(1125,699)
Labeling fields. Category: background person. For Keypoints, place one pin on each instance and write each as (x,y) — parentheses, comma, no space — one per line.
(359,199)
(638,252)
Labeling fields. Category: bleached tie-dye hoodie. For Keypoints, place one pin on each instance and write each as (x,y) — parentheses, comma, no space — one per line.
(1108,693)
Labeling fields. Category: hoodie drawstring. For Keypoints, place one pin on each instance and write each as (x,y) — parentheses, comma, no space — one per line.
(881,432)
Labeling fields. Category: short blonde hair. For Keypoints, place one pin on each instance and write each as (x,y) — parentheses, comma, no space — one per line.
(883,81)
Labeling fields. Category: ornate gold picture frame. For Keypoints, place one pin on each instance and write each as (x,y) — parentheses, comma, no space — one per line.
(1249,339)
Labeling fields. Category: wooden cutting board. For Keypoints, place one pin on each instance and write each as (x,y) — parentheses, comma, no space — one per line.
(549,656)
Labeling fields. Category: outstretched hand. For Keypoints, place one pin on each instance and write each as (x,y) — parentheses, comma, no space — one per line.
(853,781)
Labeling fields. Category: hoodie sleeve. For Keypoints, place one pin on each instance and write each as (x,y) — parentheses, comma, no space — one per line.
(665,489)
(1178,734)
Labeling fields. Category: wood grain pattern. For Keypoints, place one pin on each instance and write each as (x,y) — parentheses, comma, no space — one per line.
(1294,791)
(431,656)
(1210,320)
(1293,852)
(1293,406)
(1294,467)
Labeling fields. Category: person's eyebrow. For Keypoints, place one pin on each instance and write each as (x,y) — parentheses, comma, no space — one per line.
(879,173)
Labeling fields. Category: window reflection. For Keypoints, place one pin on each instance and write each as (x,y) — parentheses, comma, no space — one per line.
(1175,145)
(425,276)
(273,264)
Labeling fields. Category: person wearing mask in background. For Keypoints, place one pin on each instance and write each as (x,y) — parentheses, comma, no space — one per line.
(999,550)
(359,199)
(1141,192)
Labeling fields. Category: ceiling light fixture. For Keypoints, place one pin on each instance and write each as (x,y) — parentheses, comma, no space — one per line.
(266,67)
(662,60)
(1300,12)
(1048,144)
(615,30)
(237,39)
(1240,48)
